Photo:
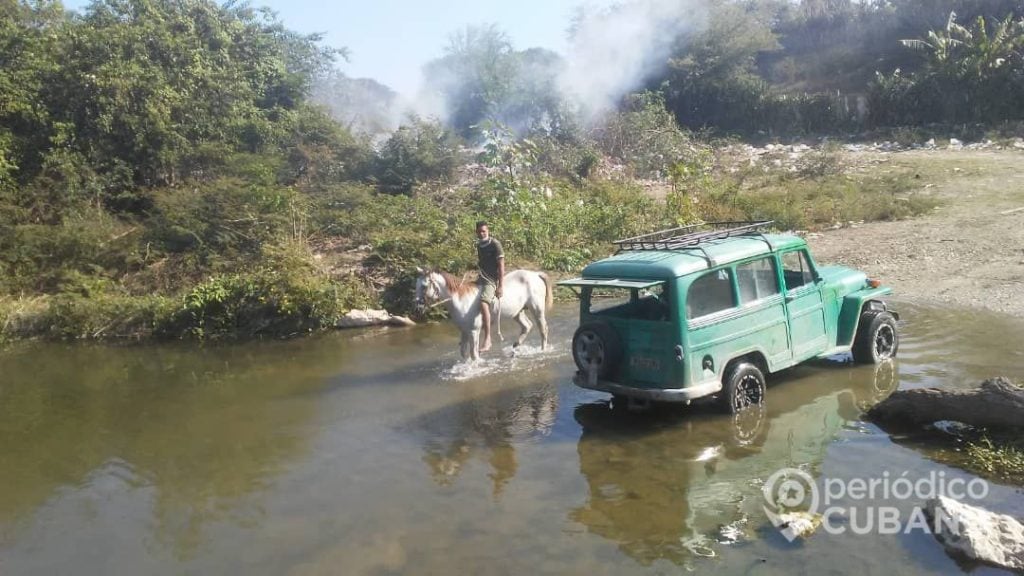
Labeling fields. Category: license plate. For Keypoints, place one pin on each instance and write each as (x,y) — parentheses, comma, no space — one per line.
(644,363)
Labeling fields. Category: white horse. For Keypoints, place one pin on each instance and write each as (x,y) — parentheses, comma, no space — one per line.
(523,291)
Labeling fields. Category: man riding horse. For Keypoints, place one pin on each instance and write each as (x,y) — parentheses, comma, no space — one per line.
(491,261)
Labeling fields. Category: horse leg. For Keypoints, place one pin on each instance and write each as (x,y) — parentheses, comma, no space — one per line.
(464,345)
(542,324)
(474,343)
(525,325)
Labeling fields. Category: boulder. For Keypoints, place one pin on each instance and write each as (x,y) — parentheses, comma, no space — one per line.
(977,533)
(363,318)
(996,403)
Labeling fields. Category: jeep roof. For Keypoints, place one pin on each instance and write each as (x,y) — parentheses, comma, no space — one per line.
(657,263)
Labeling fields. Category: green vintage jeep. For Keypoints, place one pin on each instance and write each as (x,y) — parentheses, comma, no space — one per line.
(710,309)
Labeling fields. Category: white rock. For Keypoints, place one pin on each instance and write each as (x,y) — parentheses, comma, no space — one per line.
(362,318)
(978,533)
(955,144)
(799,524)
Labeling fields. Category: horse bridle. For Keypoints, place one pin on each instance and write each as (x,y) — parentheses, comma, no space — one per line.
(421,299)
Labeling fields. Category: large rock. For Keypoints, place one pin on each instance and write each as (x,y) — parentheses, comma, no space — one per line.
(363,318)
(978,533)
(995,403)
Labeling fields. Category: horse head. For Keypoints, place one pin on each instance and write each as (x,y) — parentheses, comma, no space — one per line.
(428,291)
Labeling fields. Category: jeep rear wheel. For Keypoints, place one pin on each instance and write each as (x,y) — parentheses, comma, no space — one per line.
(595,346)
(877,338)
(744,387)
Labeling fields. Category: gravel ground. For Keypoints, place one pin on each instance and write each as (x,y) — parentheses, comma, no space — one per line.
(969,252)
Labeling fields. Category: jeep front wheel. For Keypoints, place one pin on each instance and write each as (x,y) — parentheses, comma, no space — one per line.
(744,387)
(877,338)
(595,346)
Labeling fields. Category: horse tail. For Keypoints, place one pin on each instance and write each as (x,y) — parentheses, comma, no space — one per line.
(549,299)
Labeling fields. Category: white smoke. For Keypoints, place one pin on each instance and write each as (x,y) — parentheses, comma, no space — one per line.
(613,50)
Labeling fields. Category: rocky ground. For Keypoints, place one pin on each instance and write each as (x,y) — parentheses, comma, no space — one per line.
(969,252)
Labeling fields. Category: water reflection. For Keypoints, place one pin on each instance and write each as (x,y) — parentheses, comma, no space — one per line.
(486,424)
(669,484)
(191,432)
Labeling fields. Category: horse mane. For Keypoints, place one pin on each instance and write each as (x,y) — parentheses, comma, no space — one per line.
(456,286)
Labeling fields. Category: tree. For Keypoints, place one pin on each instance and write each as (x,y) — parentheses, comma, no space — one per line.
(711,78)
(975,70)
(473,76)
(419,151)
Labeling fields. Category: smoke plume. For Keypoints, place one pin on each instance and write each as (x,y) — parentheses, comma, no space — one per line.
(613,50)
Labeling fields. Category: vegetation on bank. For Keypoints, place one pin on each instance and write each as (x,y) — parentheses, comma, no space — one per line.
(164,173)
(1000,457)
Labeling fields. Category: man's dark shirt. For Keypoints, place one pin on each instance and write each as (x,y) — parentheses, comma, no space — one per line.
(488,252)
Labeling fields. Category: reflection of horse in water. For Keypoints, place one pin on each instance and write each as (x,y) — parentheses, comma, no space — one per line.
(524,293)
(488,427)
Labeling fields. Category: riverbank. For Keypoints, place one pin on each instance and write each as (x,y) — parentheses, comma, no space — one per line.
(937,224)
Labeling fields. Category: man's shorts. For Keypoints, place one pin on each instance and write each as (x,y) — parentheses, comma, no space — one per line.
(486,292)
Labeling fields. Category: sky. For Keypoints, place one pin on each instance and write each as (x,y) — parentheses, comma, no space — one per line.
(390,40)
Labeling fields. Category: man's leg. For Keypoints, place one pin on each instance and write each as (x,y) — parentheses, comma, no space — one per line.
(486,297)
(485,315)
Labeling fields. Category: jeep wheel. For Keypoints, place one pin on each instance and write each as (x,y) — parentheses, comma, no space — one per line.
(877,338)
(596,346)
(744,387)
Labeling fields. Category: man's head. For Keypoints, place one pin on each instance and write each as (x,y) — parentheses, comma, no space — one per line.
(483,232)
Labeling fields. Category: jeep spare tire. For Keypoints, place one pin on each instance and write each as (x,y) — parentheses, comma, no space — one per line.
(596,346)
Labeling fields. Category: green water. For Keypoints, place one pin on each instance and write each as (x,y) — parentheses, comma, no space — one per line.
(368,453)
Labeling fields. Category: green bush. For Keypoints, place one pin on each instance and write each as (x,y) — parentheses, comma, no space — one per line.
(227,218)
(644,135)
(105,316)
(37,258)
(284,295)
(417,152)
(264,302)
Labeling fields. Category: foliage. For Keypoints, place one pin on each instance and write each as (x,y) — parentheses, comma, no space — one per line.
(282,296)
(972,73)
(803,68)
(226,218)
(481,76)
(644,136)
(419,151)
(361,105)
(501,150)
(1001,457)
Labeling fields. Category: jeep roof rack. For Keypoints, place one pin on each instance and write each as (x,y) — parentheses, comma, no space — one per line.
(689,237)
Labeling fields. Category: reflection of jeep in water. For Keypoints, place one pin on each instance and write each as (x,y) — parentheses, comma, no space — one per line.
(712,308)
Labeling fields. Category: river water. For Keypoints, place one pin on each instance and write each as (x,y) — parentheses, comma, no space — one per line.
(375,452)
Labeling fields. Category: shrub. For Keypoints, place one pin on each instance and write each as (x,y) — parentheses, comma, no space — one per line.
(417,152)
(284,296)
(644,135)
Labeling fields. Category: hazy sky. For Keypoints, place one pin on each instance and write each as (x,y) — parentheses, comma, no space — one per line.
(390,40)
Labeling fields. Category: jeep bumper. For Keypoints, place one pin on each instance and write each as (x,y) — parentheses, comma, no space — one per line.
(656,394)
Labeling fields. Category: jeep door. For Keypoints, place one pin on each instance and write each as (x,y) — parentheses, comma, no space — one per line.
(804,305)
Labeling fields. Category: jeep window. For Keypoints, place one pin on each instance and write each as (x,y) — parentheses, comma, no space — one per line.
(647,304)
(654,304)
(608,301)
(757,280)
(709,294)
(796,269)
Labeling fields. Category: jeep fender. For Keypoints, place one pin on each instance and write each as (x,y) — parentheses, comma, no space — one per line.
(849,314)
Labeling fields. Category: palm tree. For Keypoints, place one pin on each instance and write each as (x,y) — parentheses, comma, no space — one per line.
(970,65)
